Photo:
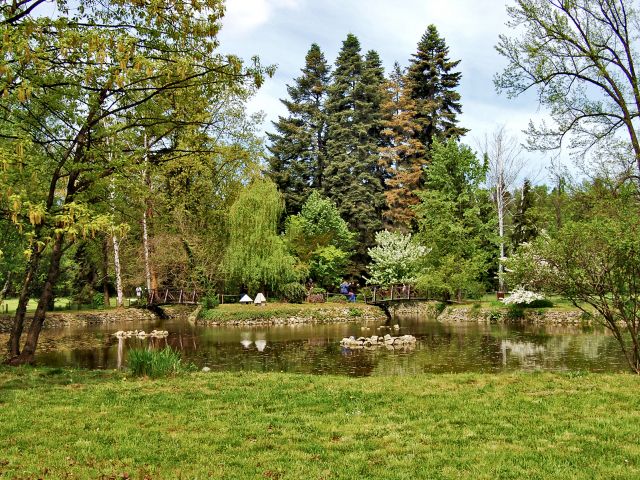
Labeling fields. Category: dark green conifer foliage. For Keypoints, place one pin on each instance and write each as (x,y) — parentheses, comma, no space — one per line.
(524,222)
(433,84)
(298,146)
(352,177)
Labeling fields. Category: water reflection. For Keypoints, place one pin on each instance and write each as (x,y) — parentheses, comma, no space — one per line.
(315,348)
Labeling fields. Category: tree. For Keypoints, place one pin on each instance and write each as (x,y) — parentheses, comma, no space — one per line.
(402,155)
(71,83)
(595,263)
(256,255)
(504,165)
(432,81)
(321,239)
(351,174)
(396,259)
(298,147)
(580,55)
(456,221)
(525,224)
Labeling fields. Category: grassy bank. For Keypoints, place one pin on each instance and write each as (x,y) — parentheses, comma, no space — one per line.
(70,424)
(236,312)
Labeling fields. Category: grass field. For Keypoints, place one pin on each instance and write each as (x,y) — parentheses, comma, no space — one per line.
(237,312)
(73,424)
(9,304)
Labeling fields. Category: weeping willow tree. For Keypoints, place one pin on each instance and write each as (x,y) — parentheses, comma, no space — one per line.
(256,255)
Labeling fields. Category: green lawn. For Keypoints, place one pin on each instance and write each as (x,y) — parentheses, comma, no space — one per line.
(72,424)
(9,305)
(230,312)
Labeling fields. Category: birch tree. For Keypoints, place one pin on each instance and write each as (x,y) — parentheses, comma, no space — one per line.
(505,164)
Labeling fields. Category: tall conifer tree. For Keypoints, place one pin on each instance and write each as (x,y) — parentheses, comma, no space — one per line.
(352,178)
(298,147)
(402,154)
(433,84)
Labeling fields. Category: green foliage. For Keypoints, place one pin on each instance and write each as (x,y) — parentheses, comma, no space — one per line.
(154,363)
(594,261)
(256,254)
(321,239)
(515,312)
(395,259)
(352,179)
(544,303)
(432,82)
(210,301)
(98,300)
(293,292)
(525,224)
(355,312)
(456,221)
(298,147)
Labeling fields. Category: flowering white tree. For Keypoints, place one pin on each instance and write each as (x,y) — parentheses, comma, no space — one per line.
(522,296)
(395,258)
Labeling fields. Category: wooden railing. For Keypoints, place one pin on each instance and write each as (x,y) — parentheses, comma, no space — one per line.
(173,297)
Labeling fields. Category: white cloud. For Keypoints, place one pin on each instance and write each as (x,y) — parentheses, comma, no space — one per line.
(243,16)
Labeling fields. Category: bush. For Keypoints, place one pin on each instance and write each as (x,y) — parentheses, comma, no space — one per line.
(317,291)
(154,363)
(440,306)
(293,292)
(355,312)
(542,303)
(98,300)
(515,312)
(210,301)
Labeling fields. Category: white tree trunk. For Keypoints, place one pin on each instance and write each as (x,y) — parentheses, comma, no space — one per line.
(145,231)
(116,261)
(145,244)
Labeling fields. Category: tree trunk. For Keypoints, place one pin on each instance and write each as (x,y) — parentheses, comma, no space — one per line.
(23,300)
(116,261)
(5,289)
(28,352)
(105,271)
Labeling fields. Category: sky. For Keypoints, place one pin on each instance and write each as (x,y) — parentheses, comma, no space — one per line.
(280,32)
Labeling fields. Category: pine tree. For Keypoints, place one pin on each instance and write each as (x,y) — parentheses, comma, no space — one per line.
(402,154)
(352,178)
(524,223)
(298,147)
(433,82)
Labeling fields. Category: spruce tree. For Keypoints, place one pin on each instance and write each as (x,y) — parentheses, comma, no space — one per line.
(433,84)
(298,147)
(524,222)
(352,178)
(402,155)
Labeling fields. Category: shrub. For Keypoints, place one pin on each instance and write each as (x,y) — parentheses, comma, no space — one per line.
(440,306)
(355,312)
(317,291)
(336,299)
(542,303)
(293,292)
(98,300)
(520,296)
(210,301)
(154,363)
(515,312)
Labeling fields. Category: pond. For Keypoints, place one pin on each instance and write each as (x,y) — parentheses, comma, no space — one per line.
(308,348)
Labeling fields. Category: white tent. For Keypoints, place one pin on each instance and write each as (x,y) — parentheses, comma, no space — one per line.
(260,299)
(246,299)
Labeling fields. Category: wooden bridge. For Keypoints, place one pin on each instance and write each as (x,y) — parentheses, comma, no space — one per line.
(386,296)
(158,297)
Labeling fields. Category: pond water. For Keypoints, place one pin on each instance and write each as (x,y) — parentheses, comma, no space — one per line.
(307,348)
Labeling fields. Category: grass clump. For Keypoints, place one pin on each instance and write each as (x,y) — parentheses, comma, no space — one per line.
(154,363)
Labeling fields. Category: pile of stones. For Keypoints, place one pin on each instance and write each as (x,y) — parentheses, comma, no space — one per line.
(141,334)
(353,343)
